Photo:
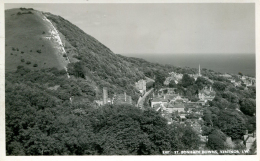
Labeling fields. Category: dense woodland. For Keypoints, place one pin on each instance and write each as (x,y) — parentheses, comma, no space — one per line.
(42,121)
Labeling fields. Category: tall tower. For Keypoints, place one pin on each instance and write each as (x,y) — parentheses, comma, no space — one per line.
(199,70)
(105,95)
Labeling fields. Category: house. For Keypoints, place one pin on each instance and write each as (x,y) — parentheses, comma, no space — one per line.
(173,76)
(179,99)
(171,107)
(171,98)
(105,98)
(206,94)
(249,139)
(182,117)
(226,75)
(141,86)
(157,107)
(117,99)
(229,143)
(122,99)
(158,101)
(99,102)
(237,83)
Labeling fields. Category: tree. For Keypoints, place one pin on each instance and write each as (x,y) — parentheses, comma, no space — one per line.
(187,81)
(172,84)
(215,142)
(231,123)
(202,82)
(190,139)
(248,106)
(219,86)
(206,130)
(159,77)
(77,69)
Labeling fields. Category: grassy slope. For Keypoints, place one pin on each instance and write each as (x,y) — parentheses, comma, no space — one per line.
(25,32)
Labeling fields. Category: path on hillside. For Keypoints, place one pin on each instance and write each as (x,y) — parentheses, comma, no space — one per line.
(54,35)
(140,102)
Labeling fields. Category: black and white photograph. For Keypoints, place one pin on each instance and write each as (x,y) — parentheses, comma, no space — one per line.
(129,79)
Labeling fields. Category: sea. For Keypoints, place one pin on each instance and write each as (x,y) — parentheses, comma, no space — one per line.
(224,63)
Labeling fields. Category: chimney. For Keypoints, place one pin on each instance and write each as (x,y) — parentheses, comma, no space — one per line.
(105,95)
(125,96)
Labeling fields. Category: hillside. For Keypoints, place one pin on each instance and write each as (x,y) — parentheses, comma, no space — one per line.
(38,40)
(99,63)
(30,41)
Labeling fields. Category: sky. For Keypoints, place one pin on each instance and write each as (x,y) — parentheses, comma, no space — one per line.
(162,28)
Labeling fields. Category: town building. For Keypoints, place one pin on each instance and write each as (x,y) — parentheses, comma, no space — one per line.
(172,107)
(158,101)
(117,99)
(123,99)
(249,140)
(173,76)
(141,86)
(226,75)
(206,94)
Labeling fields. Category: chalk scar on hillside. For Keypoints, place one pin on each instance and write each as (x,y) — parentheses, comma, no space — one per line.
(55,37)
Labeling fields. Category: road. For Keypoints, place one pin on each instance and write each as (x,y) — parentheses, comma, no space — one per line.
(140,102)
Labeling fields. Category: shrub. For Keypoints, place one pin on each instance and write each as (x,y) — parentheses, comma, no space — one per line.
(22,52)
(43,32)
(13,48)
(19,13)
(30,50)
(39,51)
(28,62)
(17,49)
(11,53)
(22,60)
(22,8)
(35,65)
(64,55)
(248,106)
(77,57)
(215,142)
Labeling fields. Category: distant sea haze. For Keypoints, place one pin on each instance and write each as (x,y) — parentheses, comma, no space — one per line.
(224,63)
